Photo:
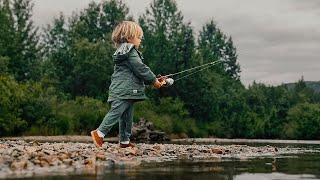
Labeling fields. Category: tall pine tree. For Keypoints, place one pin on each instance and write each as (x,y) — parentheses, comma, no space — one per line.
(214,45)
(19,39)
(169,42)
(79,53)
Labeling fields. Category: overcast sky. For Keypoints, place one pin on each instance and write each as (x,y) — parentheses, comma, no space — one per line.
(277,41)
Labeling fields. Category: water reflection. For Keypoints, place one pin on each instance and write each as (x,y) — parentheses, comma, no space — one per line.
(264,176)
(285,167)
(288,167)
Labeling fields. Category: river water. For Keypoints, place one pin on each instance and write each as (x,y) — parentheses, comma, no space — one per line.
(306,166)
(289,167)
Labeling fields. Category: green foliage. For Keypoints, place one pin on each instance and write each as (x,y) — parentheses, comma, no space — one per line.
(214,45)
(6,28)
(92,71)
(98,20)
(4,61)
(11,98)
(168,115)
(79,54)
(303,122)
(81,115)
(169,42)
(33,109)
(48,114)
(19,39)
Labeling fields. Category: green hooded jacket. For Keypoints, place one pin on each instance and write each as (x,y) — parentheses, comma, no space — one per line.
(130,74)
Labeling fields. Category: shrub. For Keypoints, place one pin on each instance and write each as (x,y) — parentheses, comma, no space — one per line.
(303,121)
(11,98)
(169,115)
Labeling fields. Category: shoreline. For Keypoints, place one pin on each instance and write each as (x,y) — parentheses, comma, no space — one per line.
(20,158)
(87,139)
(245,141)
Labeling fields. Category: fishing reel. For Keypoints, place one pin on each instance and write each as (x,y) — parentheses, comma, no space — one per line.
(168,82)
(165,81)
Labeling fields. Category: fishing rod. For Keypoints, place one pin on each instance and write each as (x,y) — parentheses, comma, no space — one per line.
(168,81)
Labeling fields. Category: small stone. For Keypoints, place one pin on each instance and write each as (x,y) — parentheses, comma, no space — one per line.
(131,151)
(34,143)
(89,163)
(184,156)
(63,156)
(3,146)
(67,162)
(101,156)
(48,152)
(18,165)
(157,147)
(44,163)
(217,151)
(205,150)
(31,150)
(16,153)
(36,161)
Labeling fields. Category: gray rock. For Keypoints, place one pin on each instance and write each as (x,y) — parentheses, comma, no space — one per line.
(144,131)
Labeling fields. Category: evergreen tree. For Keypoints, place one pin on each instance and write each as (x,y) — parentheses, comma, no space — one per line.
(92,68)
(169,42)
(98,20)
(301,93)
(214,45)
(20,39)
(6,28)
(232,67)
(111,13)
(58,63)
(79,53)
(300,85)
(5,36)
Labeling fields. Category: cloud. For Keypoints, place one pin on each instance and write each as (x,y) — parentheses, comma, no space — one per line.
(277,41)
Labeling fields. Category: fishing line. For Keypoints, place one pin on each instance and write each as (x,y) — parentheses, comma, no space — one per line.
(187,75)
(204,66)
(169,78)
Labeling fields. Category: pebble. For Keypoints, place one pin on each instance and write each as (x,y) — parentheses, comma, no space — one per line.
(22,159)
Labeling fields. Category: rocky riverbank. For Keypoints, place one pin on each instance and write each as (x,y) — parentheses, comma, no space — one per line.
(25,159)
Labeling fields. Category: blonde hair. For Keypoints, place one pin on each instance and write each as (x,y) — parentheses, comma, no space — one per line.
(126,30)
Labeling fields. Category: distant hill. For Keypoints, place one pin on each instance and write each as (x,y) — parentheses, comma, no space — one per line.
(315,85)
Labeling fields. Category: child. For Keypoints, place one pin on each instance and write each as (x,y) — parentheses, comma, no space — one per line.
(127,83)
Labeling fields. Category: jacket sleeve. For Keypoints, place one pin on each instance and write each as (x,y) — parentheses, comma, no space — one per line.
(139,69)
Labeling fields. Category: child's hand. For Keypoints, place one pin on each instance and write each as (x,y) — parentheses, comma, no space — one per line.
(159,82)
(162,79)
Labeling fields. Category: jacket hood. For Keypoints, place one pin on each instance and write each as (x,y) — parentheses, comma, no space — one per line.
(122,52)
